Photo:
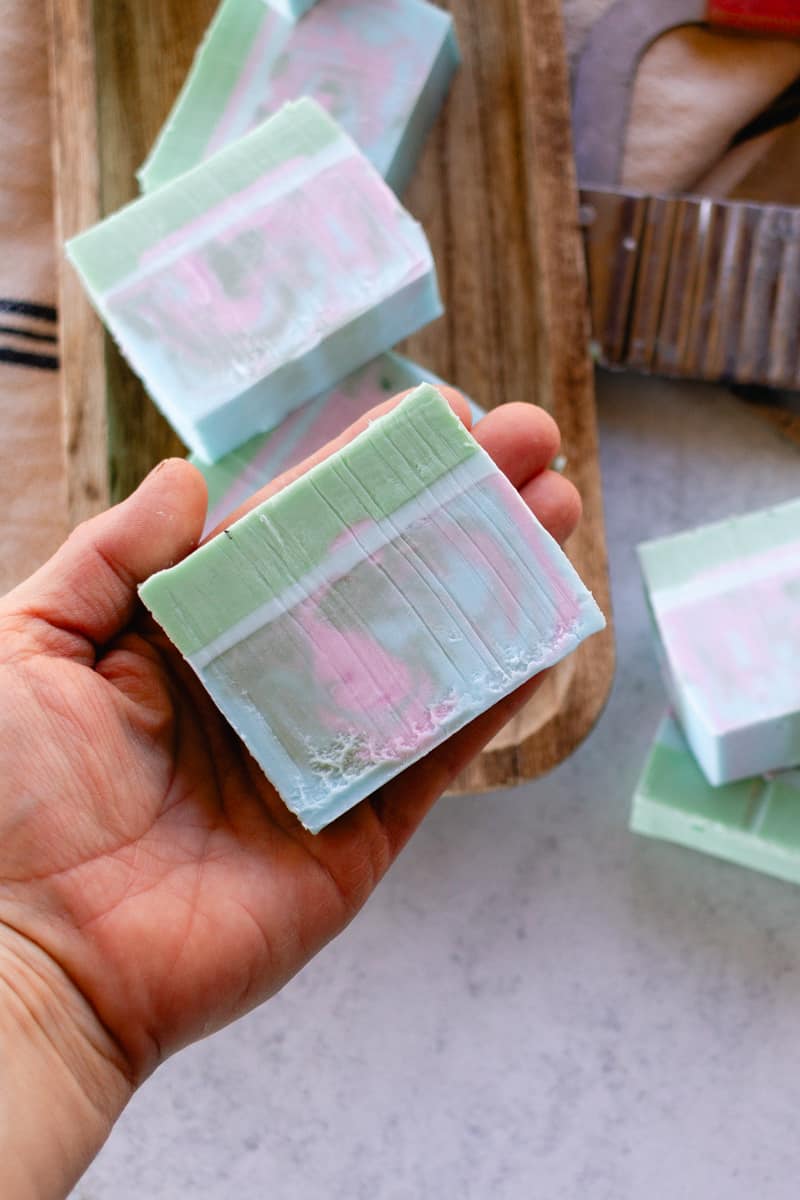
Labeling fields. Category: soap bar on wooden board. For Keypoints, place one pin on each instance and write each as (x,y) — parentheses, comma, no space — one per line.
(235,478)
(725,600)
(355,620)
(754,822)
(381,68)
(259,279)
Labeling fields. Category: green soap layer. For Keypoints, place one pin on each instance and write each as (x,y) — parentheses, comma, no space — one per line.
(209,86)
(671,561)
(109,252)
(260,556)
(754,823)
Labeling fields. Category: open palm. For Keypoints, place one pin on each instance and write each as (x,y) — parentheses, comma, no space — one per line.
(141,848)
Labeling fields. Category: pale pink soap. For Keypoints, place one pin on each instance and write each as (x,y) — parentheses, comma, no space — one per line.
(259,279)
(235,477)
(355,620)
(381,68)
(725,600)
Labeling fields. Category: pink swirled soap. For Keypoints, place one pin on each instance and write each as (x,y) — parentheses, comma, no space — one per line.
(358,618)
(381,68)
(259,279)
(725,600)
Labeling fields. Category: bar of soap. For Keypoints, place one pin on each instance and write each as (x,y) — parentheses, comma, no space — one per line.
(358,618)
(239,474)
(259,279)
(291,9)
(754,822)
(725,600)
(382,68)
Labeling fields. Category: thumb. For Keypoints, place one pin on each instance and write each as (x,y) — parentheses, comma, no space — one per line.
(89,586)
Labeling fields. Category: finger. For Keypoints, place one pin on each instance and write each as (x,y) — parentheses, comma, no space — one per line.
(453,397)
(521,438)
(556,502)
(89,586)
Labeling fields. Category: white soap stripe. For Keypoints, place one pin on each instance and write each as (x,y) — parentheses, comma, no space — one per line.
(783,561)
(271,187)
(371,539)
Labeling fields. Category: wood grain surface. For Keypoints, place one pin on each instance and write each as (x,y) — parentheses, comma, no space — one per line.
(496,193)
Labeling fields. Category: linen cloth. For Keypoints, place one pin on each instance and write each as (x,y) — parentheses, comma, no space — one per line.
(32,464)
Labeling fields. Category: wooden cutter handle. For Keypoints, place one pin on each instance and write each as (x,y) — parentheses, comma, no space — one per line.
(781,18)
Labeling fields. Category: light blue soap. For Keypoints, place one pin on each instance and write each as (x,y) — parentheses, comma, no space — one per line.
(352,622)
(238,475)
(754,822)
(381,68)
(291,9)
(259,279)
(725,601)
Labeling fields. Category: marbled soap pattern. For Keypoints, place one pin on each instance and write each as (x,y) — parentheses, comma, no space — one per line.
(729,625)
(259,279)
(375,638)
(381,68)
(241,473)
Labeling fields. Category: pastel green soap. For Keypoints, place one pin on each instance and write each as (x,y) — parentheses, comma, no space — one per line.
(754,822)
(359,617)
(381,68)
(259,279)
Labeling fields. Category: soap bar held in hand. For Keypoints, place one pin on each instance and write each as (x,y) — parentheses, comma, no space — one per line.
(381,68)
(259,279)
(358,618)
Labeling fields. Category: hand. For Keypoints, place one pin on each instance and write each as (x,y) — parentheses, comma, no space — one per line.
(152,884)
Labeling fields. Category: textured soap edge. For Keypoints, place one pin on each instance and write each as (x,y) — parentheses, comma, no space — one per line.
(284,500)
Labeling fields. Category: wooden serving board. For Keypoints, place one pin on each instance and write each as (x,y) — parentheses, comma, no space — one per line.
(496,194)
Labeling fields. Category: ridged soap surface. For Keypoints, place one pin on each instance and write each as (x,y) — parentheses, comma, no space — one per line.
(358,618)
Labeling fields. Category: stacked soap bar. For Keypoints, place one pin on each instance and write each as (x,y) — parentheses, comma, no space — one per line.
(290,9)
(726,604)
(382,68)
(259,279)
(754,822)
(394,592)
(239,474)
